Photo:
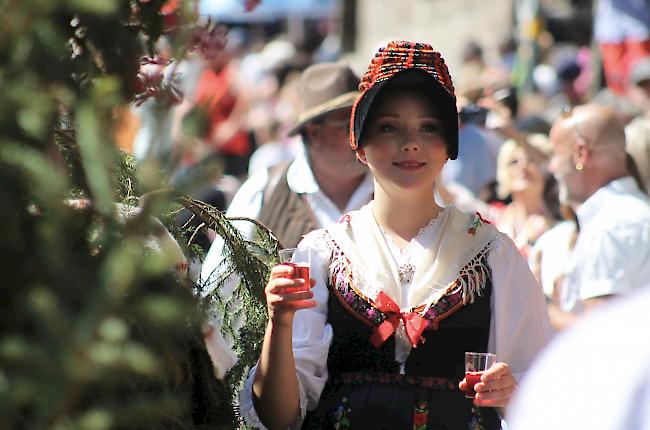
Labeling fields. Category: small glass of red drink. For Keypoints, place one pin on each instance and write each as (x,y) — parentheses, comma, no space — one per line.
(475,364)
(300,262)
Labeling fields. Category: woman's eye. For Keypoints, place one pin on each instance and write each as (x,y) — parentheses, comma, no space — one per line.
(430,128)
(387,128)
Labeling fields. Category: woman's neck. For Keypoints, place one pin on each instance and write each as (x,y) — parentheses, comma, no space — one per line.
(526,203)
(404,214)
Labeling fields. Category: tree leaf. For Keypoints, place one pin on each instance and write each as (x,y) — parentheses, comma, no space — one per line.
(96,158)
(100,7)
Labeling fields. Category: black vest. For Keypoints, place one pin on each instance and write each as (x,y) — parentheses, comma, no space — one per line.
(365,387)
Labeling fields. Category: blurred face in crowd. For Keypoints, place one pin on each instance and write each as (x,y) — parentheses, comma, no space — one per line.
(563,162)
(404,144)
(329,144)
(517,172)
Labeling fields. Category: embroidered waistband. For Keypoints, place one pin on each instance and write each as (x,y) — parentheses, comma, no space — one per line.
(360,378)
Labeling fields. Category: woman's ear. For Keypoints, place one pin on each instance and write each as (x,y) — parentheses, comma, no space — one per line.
(361,156)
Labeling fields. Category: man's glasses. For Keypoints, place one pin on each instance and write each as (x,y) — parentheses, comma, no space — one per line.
(342,124)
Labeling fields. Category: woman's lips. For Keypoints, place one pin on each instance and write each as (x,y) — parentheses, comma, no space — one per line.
(409,164)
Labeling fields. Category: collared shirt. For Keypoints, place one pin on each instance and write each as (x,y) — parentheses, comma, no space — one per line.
(248,203)
(553,249)
(612,253)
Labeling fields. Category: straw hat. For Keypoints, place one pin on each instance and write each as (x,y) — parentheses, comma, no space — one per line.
(324,88)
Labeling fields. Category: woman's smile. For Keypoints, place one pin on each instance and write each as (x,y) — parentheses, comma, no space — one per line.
(409,165)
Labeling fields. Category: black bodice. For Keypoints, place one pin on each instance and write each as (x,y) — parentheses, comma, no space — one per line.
(365,388)
(441,355)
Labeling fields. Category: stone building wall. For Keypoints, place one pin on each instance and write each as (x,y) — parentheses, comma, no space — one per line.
(446,24)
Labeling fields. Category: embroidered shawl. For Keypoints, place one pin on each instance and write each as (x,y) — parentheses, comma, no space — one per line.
(457,240)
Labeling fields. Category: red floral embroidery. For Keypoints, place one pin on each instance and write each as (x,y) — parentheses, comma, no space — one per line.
(421,416)
(476,223)
(483,220)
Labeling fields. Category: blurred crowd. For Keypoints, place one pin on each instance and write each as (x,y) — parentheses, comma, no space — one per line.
(243,95)
(248,96)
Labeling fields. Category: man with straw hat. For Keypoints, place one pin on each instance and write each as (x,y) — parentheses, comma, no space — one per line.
(324,182)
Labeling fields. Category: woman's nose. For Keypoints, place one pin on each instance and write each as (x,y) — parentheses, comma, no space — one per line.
(410,142)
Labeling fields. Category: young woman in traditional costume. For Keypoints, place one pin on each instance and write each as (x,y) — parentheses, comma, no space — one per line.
(401,288)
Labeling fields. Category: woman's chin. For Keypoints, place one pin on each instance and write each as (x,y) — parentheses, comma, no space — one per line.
(524,187)
(413,186)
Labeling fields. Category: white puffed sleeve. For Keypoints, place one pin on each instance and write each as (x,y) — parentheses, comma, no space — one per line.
(520,327)
(312,336)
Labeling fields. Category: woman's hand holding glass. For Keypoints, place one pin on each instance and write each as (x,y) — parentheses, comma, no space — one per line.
(495,388)
(285,294)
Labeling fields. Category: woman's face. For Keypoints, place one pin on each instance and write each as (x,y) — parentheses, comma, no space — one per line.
(523,174)
(404,144)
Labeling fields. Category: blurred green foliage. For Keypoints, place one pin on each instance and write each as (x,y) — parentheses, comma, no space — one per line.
(97,331)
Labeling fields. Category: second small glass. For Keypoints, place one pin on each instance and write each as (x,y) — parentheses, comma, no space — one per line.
(475,364)
(300,262)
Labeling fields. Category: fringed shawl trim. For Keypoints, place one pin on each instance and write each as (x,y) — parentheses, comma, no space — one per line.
(469,284)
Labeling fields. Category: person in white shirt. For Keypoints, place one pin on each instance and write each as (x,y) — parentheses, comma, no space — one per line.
(595,375)
(326,175)
(402,287)
(324,182)
(612,252)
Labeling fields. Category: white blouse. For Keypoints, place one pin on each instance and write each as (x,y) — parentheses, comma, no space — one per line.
(519,326)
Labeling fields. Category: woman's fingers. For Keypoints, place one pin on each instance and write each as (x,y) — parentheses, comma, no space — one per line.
(291,301)
(285,285)
(281,270)
(462,385)
(499,370)
(296,305)
(501,386)
(290,297)
(286,293)
(496,386)
(498,398)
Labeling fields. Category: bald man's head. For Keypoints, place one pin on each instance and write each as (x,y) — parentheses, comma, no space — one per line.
(597,126)
(588,151)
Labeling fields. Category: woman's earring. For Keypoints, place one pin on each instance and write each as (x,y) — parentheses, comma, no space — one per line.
(578,166)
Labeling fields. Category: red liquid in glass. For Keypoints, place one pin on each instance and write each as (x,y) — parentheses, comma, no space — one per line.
(300,271)
(472,378)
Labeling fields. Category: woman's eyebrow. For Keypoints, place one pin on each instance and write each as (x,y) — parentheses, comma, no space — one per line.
(397,115)
(388,114)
